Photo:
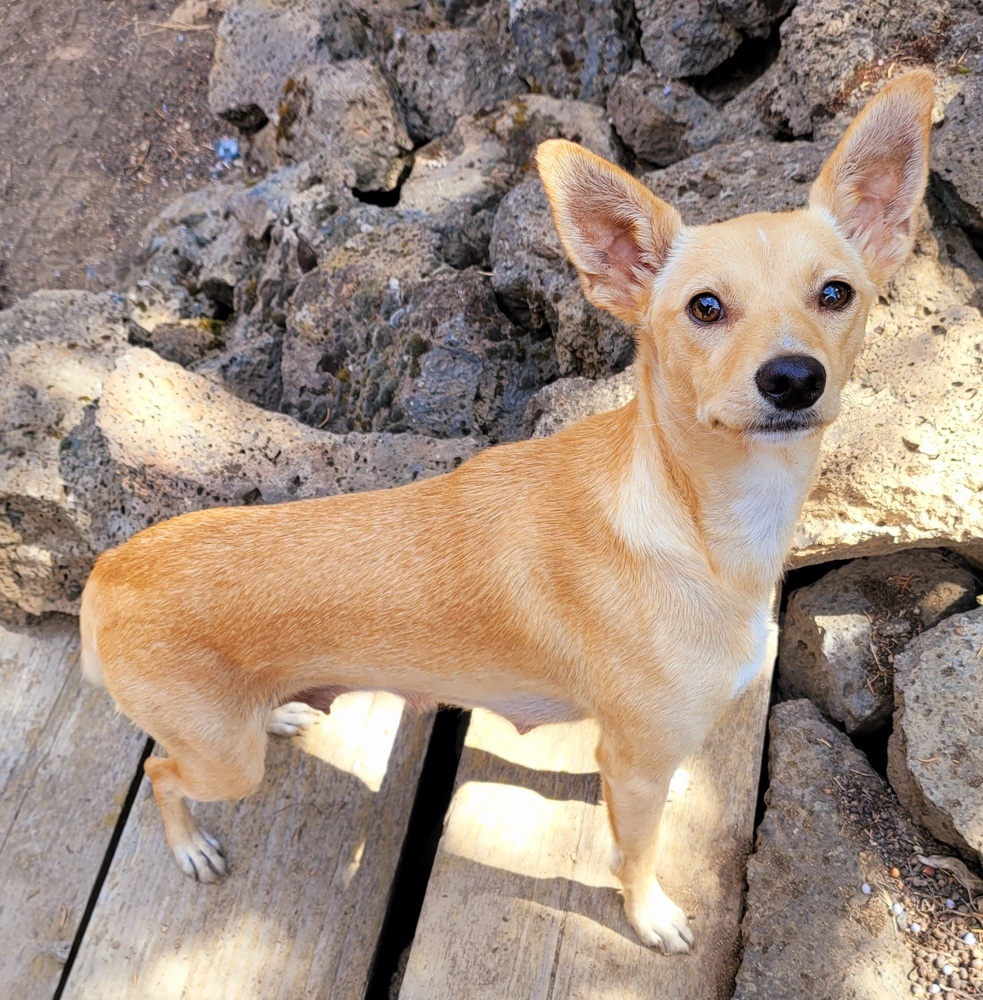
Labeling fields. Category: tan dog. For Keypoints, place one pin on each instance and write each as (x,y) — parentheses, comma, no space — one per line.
(620,569)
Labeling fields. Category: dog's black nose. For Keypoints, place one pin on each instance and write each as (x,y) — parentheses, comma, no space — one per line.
(792,381)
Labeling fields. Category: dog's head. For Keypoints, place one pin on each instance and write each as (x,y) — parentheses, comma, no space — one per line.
(751,326)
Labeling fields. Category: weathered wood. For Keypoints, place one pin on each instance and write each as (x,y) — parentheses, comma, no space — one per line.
(313,855)
(521,901)
(66,763)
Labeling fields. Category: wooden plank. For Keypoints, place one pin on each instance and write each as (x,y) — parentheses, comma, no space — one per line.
(313,855)
(66,763)
(521,901)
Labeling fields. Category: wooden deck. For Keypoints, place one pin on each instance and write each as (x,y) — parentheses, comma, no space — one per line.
(519,903)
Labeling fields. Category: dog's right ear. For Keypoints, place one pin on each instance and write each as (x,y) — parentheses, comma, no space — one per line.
(615,231)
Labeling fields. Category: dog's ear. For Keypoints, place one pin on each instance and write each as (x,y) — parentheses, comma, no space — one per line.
(875,179)
(615,231)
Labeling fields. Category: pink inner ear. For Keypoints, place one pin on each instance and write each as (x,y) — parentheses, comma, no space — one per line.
(623,253)
(874,194)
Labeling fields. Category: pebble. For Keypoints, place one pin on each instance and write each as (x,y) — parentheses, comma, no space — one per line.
(916,927)
(970,939)
(865,889)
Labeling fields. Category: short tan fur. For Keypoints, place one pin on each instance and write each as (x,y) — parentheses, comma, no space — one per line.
(621,569)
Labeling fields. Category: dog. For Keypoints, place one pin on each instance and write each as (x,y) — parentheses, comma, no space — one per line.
(621,569)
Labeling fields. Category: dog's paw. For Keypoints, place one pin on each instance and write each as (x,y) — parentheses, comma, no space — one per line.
(290,719)
(658,922)
(201,858)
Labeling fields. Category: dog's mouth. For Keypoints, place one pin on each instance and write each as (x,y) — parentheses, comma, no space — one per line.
(785,424)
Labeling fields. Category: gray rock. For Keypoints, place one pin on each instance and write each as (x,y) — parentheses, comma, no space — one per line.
(841,635)
(486,153)
(541,290)
(573,50)
(935,754)
(754,17)
(476,372)
(194,254)
(831,825)
(568,400)
(444,73)
(685,37)
(344,115)
(382,334)
(56,350)
(739,178)
(831,54)
(247,362)
(260,43)
(185,342)
(956,157)
(662,122)
(458,180)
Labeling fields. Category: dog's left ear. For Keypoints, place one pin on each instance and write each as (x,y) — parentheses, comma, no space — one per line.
(616,233)
(875,179)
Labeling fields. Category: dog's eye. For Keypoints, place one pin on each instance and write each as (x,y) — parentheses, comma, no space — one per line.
(835,295)
(705,308)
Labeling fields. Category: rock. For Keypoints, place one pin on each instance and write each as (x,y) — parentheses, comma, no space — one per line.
(382,334)
(935,754)
(161,441)
(444,73)
(343,114)
(841,635)
(685,37)
(831,53)
(184,342)
(661,122)
(458,180)
(247,363)
(739,178)
(56,350)
(476,372)
(194,254)
(485,154)
(572,50)
(568,400)
(541,291)
(260,43)
(900,467)
(956,159)
(831,825)
(754,17)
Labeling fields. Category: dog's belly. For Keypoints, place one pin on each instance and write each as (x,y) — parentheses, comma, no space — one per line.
(524,711)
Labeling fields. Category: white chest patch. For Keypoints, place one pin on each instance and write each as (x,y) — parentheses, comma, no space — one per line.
(762,628)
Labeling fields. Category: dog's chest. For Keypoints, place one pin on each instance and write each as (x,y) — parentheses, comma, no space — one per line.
(760,630)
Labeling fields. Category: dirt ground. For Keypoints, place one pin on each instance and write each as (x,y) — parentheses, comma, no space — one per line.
(104,120)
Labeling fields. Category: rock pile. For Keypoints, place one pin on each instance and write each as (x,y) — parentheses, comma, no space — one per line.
(377,291)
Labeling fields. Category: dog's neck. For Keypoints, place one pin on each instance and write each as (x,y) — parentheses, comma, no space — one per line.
(738,499)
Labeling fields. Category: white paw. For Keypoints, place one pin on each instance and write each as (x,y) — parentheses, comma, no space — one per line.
(200,857)
(658,922)
(291,719)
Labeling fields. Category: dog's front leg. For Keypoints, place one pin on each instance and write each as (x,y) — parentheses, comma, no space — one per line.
(636,782)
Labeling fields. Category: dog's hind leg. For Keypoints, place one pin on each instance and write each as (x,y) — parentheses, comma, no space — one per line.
(203,777)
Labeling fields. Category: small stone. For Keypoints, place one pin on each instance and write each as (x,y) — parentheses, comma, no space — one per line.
(895,873)
(969,938)
(947,969)
(865,889)
(897,908)
(915,927)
